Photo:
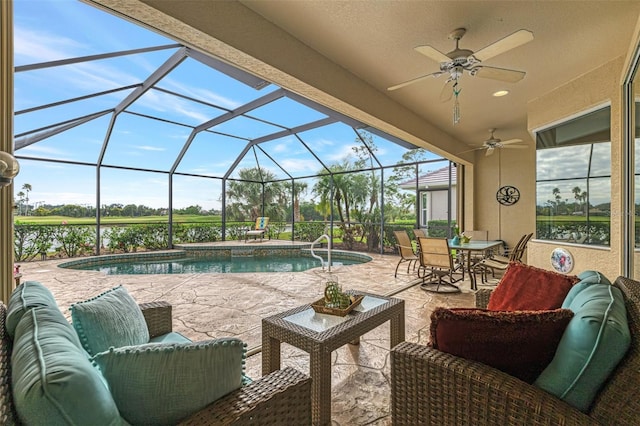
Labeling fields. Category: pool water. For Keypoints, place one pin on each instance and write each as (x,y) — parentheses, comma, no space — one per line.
(192,265)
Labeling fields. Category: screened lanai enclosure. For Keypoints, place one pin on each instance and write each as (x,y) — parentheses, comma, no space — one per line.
(113,120)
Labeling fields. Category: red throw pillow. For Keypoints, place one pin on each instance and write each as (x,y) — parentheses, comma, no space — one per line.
(520,343)
(527,288)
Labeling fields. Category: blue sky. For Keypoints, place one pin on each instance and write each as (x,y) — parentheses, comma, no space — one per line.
(61,29)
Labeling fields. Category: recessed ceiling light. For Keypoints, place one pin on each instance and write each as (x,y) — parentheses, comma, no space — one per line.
(501,93)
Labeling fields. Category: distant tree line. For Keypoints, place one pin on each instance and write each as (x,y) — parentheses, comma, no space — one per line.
(107,210)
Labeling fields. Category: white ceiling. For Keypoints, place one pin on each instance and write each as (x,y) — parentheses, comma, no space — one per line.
(374,40)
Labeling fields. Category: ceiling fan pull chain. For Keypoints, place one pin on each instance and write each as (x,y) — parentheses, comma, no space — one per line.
(456,105)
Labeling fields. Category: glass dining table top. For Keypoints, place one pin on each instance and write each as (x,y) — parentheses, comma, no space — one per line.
(475,245)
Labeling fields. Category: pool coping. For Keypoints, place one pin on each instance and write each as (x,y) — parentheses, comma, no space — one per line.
(221,251)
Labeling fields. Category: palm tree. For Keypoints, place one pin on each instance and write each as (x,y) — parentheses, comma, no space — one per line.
(253,192)
(577,194)
(556,195)
(340,184)
(584,197)
(20,201)
(27,188)
(298,189)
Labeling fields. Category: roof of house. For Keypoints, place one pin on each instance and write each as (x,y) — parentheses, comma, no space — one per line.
(433,179)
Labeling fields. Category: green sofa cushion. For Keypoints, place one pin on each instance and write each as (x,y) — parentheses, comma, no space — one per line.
(595,340)
(112,318)
(27,295)
(53,381)
(161,383)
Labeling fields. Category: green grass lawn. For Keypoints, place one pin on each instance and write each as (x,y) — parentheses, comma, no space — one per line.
(57,220)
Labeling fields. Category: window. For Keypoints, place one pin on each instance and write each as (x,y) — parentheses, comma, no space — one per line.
(573,180)
(424,218)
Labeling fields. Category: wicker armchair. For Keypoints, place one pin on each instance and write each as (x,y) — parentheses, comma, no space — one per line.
(429,387)
(280,398)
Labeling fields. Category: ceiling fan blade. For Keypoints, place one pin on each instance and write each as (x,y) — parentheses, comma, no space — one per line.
(509,76)
(469,150)
(490,151)
(432,53)
(515,146)
(509,42)
(447,91)
(510,141)
(415,80)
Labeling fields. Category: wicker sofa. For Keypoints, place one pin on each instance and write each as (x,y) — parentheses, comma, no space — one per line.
(429,387)
(282,397)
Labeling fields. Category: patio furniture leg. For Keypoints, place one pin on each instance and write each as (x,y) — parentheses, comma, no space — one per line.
(320,369)
(396,329)
(270,355)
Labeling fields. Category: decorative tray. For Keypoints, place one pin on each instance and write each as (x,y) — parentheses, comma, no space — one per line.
(320,307)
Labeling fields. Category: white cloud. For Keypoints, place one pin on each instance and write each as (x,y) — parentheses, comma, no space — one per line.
(149,148)
(293,165)
(40,46)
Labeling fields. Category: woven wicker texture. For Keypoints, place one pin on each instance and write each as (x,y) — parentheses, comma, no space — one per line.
(7,411)
(429,387)
(158,316)
(281,398)
(319,345)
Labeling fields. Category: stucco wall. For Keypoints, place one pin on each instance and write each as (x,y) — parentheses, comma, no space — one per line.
(596,88)
(512,167)
(517,167)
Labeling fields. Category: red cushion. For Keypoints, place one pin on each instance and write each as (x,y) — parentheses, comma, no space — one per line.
(525,287)
(520,343)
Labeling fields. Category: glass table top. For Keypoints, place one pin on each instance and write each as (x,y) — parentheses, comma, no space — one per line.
(321,322)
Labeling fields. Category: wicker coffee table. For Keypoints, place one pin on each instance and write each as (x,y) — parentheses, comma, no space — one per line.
(320,334)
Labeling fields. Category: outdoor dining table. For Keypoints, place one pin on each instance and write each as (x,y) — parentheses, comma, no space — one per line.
(473,246)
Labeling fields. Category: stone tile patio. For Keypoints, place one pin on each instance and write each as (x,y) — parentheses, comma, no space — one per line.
(214,305)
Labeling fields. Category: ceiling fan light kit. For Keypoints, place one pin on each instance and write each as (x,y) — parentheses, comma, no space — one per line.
(459,60)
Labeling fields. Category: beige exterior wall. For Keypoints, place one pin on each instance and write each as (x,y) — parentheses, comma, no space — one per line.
(438,208)
(512,167)
(597,88)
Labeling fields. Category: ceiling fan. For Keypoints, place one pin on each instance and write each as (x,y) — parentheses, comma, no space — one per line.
(459,60)
(492,143)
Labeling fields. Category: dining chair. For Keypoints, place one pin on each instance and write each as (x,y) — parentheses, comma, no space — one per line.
(498,263)
(436,263)
(419,233)
(405,249)
(516,253)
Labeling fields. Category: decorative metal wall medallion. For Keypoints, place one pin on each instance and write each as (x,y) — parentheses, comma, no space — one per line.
(508,195)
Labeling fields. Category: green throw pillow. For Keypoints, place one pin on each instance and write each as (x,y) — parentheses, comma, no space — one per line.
(161,383)
(112,318)
(591,347)
(27,295)
(593,277)
(53,382)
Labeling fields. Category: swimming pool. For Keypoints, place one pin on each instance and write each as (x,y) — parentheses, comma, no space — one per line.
(184,263)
